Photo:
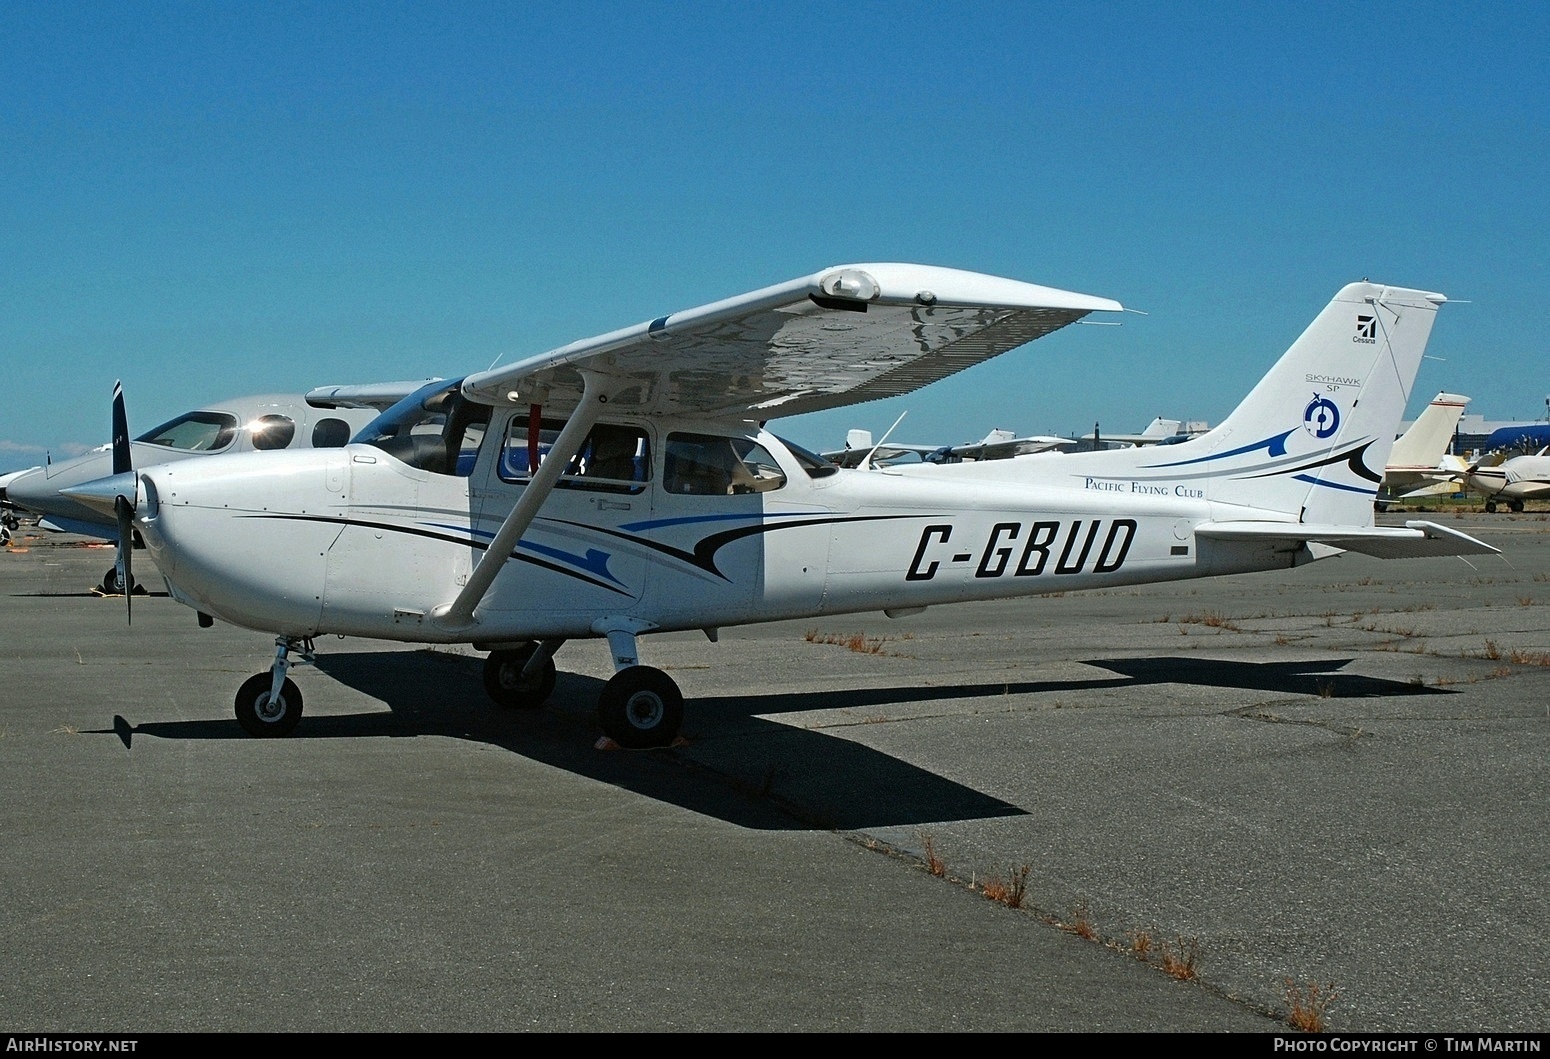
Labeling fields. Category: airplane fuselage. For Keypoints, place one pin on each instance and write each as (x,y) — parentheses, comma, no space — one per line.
(365,544)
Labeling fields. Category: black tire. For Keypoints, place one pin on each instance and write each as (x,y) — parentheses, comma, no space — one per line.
(110,585)
(1515,506)
(641,708)
(504,683)
(258,717)
(1490,507)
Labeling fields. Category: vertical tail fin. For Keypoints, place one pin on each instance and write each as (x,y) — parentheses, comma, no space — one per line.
(1423,446)
(1312,439)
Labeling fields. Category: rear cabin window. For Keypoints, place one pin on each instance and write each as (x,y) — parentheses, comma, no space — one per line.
(330,434)
(718,466)
(613,459)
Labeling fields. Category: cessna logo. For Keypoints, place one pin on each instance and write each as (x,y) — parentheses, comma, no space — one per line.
(1009,549)
(1366,330)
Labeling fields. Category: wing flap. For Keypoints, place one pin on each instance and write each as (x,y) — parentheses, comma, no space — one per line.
(1416,539)
(846,335)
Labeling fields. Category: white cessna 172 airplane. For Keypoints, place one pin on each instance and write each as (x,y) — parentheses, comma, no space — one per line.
(625,484)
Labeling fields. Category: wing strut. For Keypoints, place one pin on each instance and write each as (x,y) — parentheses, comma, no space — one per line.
(460,612)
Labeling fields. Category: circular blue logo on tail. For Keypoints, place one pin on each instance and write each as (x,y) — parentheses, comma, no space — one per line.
(1321,418)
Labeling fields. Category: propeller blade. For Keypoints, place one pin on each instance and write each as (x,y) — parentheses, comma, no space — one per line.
(124,506)
(125,510)
(122,460)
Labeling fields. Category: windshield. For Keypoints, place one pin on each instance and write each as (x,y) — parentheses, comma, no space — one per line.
(435,429)
(194,432)
(815,465)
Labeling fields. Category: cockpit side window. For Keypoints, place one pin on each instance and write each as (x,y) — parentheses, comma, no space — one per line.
(718,466)
(194,432)
(435,429)
(615,458)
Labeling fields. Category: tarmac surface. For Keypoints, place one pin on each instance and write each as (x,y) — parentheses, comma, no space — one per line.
(1330,779)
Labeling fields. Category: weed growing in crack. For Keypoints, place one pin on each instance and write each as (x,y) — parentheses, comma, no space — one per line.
(1306,1004)
(1181,959)
(934,863)
(1010,891)
(1081,924)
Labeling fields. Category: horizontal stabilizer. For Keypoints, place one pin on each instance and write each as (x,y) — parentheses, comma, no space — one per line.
(1417,539)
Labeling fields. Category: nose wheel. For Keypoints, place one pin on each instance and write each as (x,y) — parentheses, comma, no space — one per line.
(269,704)
(264,714)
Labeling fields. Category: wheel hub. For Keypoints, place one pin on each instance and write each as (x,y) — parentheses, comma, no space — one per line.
(270,707)
(644,709)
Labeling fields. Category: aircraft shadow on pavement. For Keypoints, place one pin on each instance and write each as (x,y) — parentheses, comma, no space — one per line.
(767,775)
(1316,677)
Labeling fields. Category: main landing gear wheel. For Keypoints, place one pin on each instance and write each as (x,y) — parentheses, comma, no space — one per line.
(505,684)
(641,708)
(260,714)
(111,587)
(1490,507)
(1515,506)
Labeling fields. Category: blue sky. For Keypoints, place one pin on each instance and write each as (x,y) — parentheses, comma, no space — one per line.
(215,199)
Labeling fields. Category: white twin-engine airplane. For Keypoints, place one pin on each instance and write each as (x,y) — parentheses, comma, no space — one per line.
(625,484)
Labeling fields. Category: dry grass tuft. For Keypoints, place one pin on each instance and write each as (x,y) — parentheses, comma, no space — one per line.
(1492,651)
(1010,891)
(854,641)
(1181,959)
(1307,1004)
(1210,619)
(1523,657)
(934,863)
(1141,944)
(1081,923)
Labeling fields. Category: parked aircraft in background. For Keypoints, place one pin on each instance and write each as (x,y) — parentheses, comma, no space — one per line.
(263,423)
(1159,431)
(1512,481)
(1420,464)
(999,444)
(626,484)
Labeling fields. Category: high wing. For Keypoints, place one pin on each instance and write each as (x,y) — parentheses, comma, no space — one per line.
(842,336)
(379,395)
